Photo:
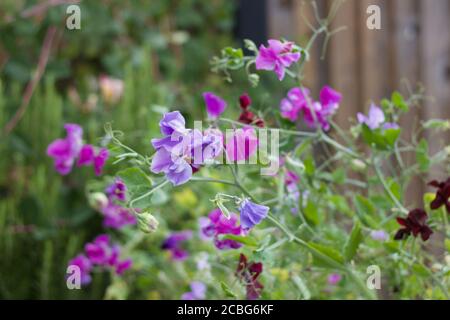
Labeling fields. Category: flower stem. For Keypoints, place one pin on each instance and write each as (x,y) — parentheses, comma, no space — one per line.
(159,186)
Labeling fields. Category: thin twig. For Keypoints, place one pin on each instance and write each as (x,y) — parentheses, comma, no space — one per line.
(32,84)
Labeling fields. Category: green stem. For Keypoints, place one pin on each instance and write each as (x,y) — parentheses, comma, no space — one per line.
(159,186)
(387,190)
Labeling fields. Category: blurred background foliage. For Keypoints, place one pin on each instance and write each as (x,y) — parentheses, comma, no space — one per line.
(160,49)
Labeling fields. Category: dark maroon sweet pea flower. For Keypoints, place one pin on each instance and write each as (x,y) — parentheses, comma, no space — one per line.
(442,194)
(245,101)
(248,272)
(247,116)
(414,224)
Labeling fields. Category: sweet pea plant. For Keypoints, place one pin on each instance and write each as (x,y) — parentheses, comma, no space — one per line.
(310,228)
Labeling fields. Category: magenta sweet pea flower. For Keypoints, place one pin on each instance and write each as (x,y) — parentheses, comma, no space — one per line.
(277,56)
(117,217)
(334,279)
(251,213)
(295,102)
(198,291)
(88,156)
(65,151)
(173,244)
(215,105)
(85,266)
(217,224)
(100,253)
(315,113)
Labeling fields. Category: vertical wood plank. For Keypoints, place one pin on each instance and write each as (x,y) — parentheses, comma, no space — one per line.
(405,32)
(435,54)
(344,61)
(375,55)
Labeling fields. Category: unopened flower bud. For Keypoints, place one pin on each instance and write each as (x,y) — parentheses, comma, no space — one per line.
(98,200)
(253,78)
(147,223)
(358,165)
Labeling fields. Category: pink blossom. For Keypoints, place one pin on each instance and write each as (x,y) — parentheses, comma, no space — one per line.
(277,56)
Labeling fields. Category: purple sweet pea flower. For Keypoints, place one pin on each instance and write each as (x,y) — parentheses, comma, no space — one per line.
(64,151)
(172,123)
(217,224)
(198,291)
(117,190)
(215,105)
(334,279)
(185,150)
(277,56)
(85,266)
(252,213)
(173,244)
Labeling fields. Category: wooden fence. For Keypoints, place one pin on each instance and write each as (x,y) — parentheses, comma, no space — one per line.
(365,65)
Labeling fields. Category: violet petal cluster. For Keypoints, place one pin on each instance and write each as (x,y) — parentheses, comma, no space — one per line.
(65,152)
(115,215)
(217,224)
(315,113)
(252,214)
(182,151)
(173,244)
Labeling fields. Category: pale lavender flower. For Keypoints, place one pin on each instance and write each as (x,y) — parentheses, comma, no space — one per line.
(379,235)
(198,291)
(374,119)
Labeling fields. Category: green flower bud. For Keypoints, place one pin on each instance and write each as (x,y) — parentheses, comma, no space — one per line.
(97,200)
(147,223)
(358,165)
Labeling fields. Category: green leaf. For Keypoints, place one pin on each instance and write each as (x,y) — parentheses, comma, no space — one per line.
(381,139)
(248,241)
(325,256)
(422,156)
(226,289)
(353,242)
(136,181)
(366,211)
(312,213)
(399,101)
(310,167)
